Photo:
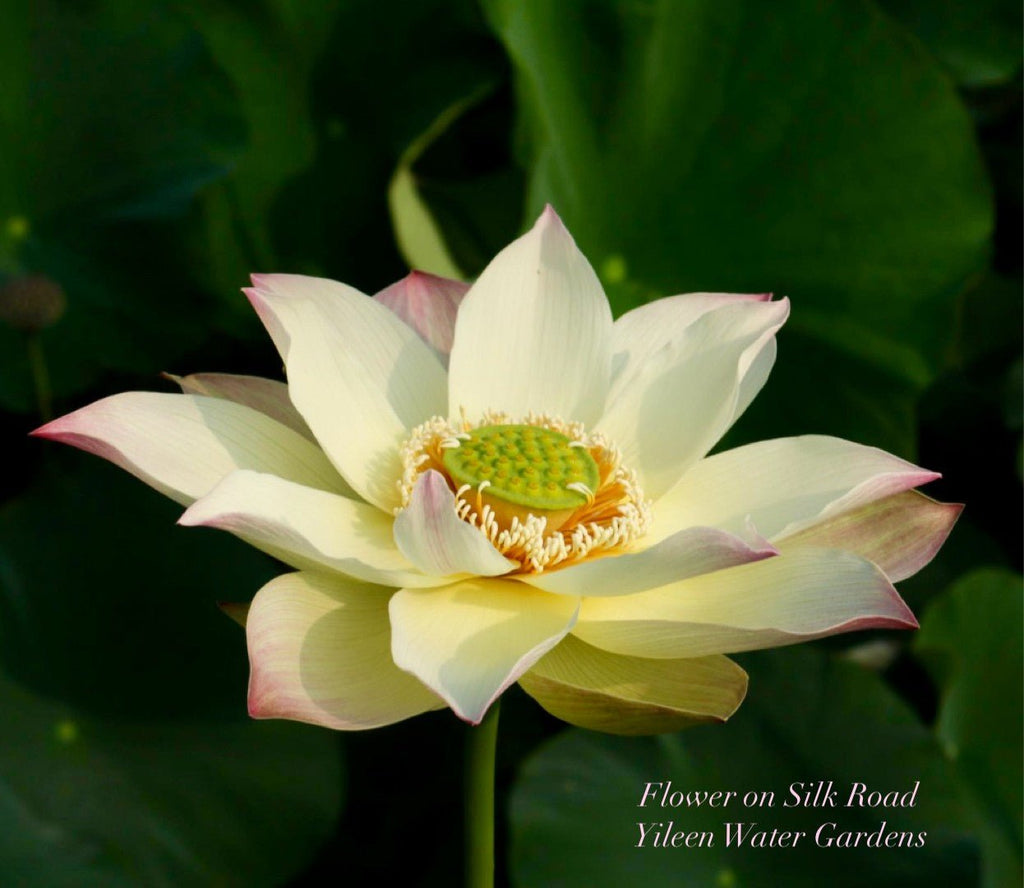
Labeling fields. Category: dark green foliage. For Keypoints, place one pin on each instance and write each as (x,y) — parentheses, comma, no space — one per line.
(860,158)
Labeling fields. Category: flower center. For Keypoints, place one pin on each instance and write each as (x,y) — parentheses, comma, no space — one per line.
(545,492)
(521,470)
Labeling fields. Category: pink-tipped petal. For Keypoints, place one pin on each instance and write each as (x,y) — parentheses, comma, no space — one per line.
(805,594)
(306,528)
(783,486)
(319,652)
(642,332)
(428,304)
(276,330)
(667,411)
(900,533)
(184,445)
(433,537)
(358,375)
(471,640)
(688,553)
(533,333)
(268,396)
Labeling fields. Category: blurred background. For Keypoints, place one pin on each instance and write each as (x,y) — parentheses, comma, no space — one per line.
(862,158)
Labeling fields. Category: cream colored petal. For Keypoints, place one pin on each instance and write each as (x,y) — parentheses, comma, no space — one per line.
(359,376)
(641,333)
(320,652)
(757,366)
(805,594)
(432,536)
(265,395)
(428,304)
(600,691)
(688,553)
(900,533)
(783,485)
(184,445)
(471,640)
(670,409)
(533,333)
(308,529)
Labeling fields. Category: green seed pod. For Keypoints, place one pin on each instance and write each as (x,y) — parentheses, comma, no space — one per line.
(529,466)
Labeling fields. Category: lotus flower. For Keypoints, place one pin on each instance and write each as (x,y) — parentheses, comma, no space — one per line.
(502,485)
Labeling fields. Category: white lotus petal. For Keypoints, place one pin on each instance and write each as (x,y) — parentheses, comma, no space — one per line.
(756,368)
(805,594)
(184,445)
(358,375)
(433,537)
(319,650)
(900,533)
(533,333)
(644,331)
(783,485)
(688,553)
(670,409)
(308,529)
(617,694)
(428,304)
(471,640)
(265,395)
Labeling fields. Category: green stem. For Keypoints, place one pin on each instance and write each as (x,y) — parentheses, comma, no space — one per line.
(480,749)
(40,376)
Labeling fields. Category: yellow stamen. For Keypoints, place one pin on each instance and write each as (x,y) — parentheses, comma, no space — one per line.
(562,517)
